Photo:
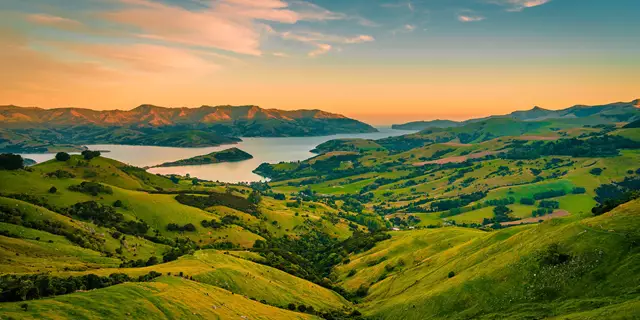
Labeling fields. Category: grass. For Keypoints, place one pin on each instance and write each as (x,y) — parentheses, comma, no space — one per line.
(243,277)
(165,298)
(497,274)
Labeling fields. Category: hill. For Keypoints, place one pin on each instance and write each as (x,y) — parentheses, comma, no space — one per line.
(421,125)
(228,155)
(41,130)
(608,113)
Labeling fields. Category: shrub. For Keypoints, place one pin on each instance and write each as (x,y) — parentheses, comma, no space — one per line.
(451,274)
(53,189)
(596,171)
(579,190)
(88,154)
(10,161)
(527,201)
(291,307)
(117,204)
(62,156)
(92,188)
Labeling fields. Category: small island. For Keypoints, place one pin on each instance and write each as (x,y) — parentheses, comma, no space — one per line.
(228,155)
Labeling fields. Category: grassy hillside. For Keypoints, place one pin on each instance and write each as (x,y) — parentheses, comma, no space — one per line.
(167,298)
(560,267)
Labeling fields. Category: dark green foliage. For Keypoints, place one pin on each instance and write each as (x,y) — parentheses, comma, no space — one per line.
(291,306)
(219,199)
(189,227)
(101,215)
(635,124)
(62,156)
(451,274)
(313,255)
(88,154)
(596,171)
(461,201)
(53,189)
(612,195)
(92,188)
(180,247)
(553,256)
(549,194)
(118,204)
(255,197)
(10,161)
(60,174)
(600,146)
(550,204)
(211,224)
(35,286)
(578,190)
(527,201)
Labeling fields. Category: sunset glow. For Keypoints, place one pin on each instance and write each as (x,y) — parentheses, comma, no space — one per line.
(380,61)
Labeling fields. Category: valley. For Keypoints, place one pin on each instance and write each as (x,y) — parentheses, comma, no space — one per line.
(496,218)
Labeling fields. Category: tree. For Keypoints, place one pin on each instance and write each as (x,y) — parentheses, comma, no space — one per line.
(53,189)
(291,307)
(451,274)
(10,161)
(254,197)
(62,156)
(88,154)
(596,171)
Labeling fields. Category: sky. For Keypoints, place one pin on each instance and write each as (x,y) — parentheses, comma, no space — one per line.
(380,61)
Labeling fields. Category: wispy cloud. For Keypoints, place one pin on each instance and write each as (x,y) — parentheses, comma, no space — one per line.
(470,17)
(51,20)
(519,5)
(409,27)
(322,41)
(321,48)
(233,25)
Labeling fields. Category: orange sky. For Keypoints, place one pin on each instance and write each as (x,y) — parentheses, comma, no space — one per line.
(295,55)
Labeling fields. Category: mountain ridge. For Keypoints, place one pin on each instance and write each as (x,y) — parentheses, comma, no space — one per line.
(614,112)
(156,116)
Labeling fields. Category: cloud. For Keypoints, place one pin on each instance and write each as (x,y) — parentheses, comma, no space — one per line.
(233,25)
(322,48)
(321,41)
(50,20)
(280,54)
(409,27)
(470,18)
(519,5)
(147,57)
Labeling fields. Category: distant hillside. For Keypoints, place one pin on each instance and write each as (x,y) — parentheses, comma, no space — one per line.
(41,130)
(228,155)
(420,125)
(608,113)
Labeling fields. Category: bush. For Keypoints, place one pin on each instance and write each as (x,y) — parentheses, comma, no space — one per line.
(596,171)
(53,190)
(62,156)
(579,190)
(88,154)
(92,188)
(291,307)
(527,201)
(10,161)
(117,204)
(451,274)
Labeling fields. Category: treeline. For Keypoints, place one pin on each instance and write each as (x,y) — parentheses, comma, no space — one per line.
(611,195)
(29,287)
(312,256)
(602,146)
(220,199)
(461,201)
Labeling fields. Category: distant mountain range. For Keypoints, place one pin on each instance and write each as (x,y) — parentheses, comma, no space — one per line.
(41,130)
(613,112)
